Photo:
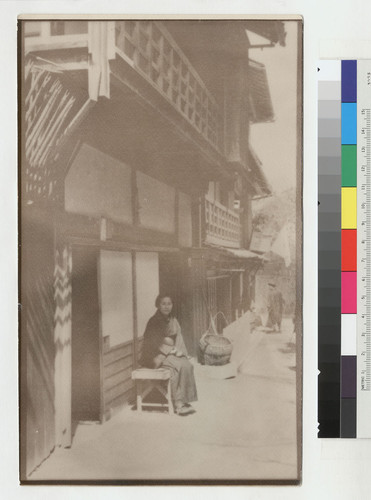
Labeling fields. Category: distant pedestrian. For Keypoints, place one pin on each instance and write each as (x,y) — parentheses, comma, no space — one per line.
(275,307)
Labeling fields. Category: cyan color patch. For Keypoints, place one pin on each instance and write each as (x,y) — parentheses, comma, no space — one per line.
(349,123)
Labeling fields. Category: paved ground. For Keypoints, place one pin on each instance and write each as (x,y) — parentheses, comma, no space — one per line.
(244,427)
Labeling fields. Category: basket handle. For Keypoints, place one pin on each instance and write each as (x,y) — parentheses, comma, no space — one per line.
(212,318)
(212,323)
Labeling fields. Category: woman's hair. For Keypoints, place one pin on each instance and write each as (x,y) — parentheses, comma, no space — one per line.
(162,296)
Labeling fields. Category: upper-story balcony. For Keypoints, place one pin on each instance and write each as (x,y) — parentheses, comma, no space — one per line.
(223,225)
(144,46)
(151,50)
(173,92)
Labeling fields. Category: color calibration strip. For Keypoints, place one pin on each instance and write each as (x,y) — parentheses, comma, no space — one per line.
(344,222)
(348,381)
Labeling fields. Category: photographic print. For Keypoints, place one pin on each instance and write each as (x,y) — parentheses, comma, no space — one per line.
(160,223)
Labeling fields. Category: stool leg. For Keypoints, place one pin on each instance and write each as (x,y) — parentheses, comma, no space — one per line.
(169,402)
(139,395)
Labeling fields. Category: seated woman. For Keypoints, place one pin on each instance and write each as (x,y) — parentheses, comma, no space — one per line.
(163,346)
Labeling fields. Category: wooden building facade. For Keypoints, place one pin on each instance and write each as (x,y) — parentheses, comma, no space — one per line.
(136,178)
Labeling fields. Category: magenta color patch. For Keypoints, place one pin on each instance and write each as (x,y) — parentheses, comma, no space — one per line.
(348,292)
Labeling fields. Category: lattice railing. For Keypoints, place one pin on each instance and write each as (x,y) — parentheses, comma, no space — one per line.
(150,49)
(222,225)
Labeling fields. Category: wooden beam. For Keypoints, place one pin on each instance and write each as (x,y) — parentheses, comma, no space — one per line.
(86,227)
(55,43)
(118,245)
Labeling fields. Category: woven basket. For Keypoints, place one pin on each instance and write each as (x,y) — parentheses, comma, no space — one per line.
(216,349)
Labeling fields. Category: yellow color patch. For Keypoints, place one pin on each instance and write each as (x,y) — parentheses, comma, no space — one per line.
(348,208)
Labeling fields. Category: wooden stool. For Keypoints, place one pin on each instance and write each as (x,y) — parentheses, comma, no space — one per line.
(147,379)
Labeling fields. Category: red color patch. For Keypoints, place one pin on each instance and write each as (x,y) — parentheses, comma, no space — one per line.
(349,250)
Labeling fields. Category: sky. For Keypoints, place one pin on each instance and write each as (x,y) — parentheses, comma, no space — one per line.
(279,159)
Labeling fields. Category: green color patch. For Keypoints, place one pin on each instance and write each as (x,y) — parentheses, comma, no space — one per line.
(349,165)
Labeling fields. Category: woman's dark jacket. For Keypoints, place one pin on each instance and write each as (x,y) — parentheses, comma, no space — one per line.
(161,335)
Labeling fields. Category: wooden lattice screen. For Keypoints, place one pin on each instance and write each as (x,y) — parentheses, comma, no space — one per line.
(50,107)
(259,98)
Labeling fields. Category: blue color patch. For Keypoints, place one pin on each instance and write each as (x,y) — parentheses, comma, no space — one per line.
(348,81)
(348,123)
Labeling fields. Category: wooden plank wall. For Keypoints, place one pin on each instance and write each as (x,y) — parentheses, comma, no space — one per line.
(37,343)
(117,384)
(139,348)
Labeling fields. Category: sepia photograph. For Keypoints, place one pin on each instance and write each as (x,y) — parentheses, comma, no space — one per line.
(160,263)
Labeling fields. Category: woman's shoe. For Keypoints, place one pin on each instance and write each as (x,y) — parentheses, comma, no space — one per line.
(185,410)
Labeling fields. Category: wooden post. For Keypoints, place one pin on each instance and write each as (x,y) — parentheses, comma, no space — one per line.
(176,217)
(102,406)
(195,222)
(135,311)
(134,198)
(202,212)
(246,219)
(62,341)
(236,124)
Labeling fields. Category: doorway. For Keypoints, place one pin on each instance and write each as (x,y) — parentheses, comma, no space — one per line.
(169,278)
(86,372)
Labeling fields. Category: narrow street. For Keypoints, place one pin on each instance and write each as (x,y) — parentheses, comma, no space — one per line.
(244,428)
